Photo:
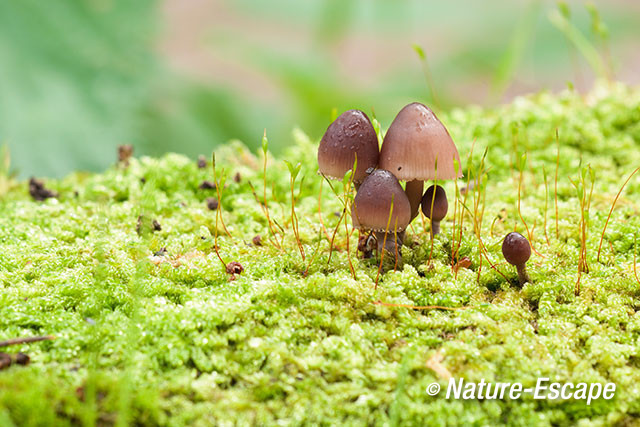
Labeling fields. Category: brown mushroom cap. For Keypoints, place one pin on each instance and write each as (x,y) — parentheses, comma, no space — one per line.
(349,135)
(440,203)
(372,204)
(414,141)
(516,249)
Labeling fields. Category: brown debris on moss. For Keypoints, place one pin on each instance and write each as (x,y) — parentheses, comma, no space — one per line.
(39,192)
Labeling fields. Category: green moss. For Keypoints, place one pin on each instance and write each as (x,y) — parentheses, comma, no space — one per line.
(171,340)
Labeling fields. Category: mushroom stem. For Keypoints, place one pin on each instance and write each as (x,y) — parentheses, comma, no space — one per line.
(413,191)
(365,245)
(435,228)
(392,244)
(523,276)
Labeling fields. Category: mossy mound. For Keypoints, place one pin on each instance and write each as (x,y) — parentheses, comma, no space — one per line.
(151,336)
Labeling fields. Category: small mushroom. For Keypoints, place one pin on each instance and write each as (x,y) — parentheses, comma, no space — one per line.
(125,152)
(435,206)
(350,135)
(414,143)
(516,251)
(234,267)
(22,359)
(373,210)
(212,203)
(207,185)
(202,162)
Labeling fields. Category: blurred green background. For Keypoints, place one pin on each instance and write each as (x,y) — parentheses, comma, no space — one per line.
(80,77)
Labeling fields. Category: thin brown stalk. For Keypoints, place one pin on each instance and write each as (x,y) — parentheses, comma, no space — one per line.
(215,245)
(346,230)
(453,228)
(493,223)
(218,213)
(586,223)
(460,225)
(384,243)
(546,204)
(585,206)
(454,250)
(273,240)
(345,205)
(347,199)
(294,218)
(526,226)
(219,194)
(556,183)
(485,252)
(313,256)
(344,210)
(433,200)
(612,207)
(333,236)
(324,229)
(635,271)
(395,247)
(264,190)
(476,204)
(427,74)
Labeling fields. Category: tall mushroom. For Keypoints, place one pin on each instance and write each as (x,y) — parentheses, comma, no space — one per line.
(415,141)
(350,135)
(382,207)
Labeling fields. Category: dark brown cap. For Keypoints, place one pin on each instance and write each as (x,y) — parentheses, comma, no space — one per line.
(516,249)
(440,203)
(372,204)
(414,141)
(349,135)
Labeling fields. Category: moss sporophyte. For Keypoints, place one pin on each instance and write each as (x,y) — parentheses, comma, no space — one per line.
(151,330)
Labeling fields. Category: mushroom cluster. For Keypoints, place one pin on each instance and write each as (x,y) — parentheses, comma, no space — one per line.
(416,148)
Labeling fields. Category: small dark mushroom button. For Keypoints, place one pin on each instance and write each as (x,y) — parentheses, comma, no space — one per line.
(517,251)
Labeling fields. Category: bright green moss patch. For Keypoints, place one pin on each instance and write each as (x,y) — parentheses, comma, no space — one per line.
(169,339)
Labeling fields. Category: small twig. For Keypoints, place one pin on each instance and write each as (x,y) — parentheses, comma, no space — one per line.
(420,307)
(26,340)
